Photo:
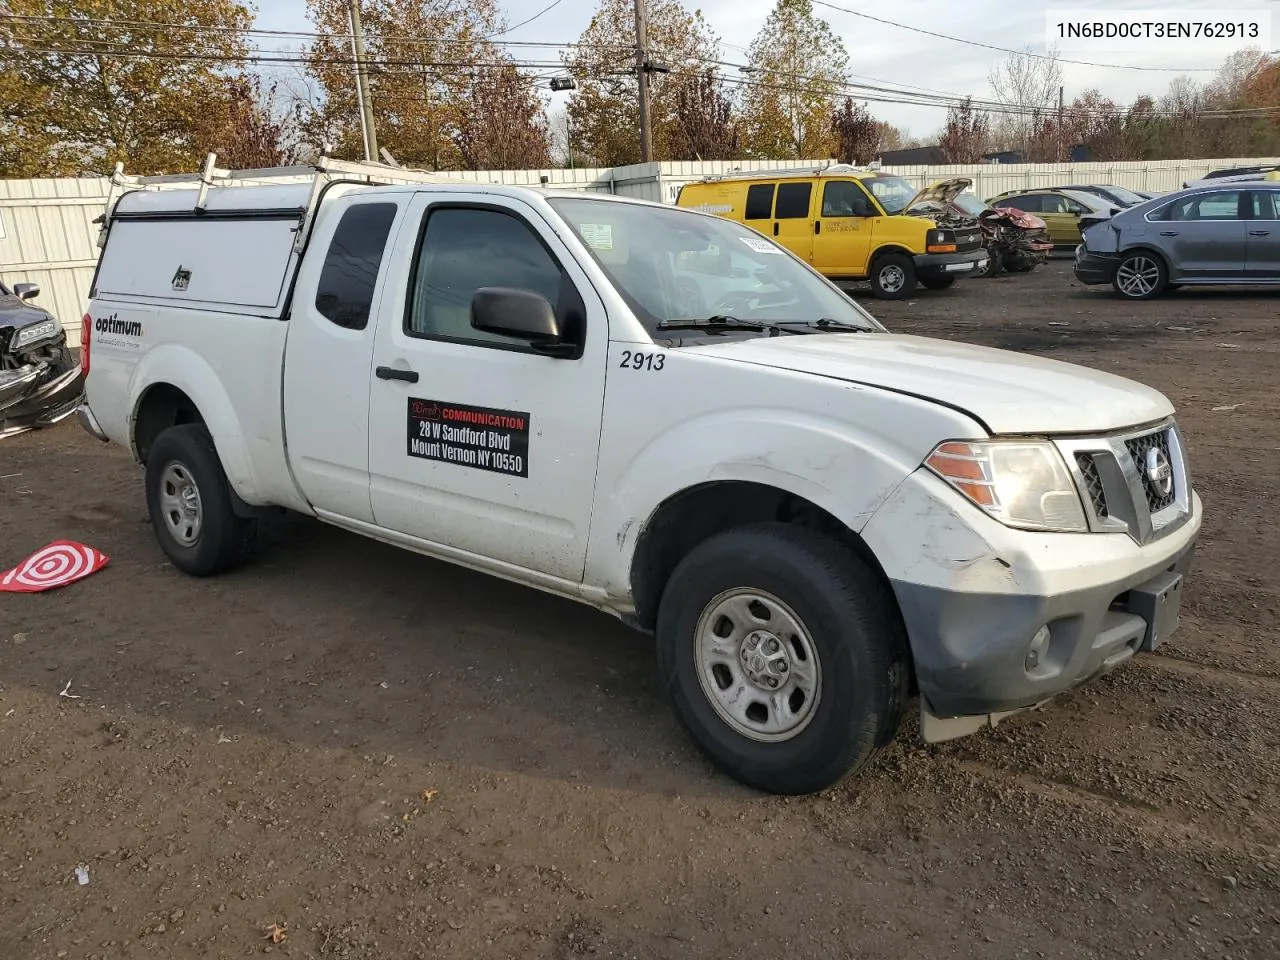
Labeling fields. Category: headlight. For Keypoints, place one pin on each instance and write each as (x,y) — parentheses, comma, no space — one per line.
(1021,483)
(36,332)
(940,241)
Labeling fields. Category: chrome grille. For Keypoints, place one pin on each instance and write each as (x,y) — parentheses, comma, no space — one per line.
(1092,483)
(1140,449)
(1112,475)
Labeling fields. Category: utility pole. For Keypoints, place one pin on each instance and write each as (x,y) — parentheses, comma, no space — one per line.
(642,76)
(362,85)
(1060,157)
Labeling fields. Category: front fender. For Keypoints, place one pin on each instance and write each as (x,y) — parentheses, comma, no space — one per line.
(847,470)
(183,368)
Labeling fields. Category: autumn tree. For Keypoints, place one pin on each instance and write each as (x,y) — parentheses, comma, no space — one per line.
(798,68)
(95,85)
(427,65)
(705,125)
(964,139)
(859,136)
(251,125)
(506,127)
(604,109)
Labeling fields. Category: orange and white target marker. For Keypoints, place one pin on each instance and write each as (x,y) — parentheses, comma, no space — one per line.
(60,563)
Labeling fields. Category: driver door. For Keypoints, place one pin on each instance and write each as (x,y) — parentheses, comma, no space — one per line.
(477,442)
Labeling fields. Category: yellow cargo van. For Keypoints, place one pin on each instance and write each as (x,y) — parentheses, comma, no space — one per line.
(853,223)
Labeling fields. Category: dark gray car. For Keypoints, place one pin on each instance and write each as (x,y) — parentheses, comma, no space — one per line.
(1228,233)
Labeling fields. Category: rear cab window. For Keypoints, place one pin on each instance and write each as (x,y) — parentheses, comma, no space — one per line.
(344,292)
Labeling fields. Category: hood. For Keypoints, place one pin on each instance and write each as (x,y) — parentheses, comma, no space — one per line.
(1012,393)
(18,313)
(942,192)
(1027,221)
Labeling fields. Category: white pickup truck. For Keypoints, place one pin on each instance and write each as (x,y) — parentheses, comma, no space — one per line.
(657,412)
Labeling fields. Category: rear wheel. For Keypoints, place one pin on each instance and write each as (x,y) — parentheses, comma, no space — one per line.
(189,500)
(893,276)
(784,657)
(1140,276)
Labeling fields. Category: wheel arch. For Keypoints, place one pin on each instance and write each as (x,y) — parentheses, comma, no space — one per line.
(693,515)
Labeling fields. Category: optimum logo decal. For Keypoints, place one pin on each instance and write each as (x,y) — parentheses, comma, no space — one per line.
(114,325)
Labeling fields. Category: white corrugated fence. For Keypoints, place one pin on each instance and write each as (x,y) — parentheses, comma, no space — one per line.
(47,234)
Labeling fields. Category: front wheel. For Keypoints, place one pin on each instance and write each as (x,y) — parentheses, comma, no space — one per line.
(784,656)
(893,276)
(1140,276)
(938,283)
(189,500)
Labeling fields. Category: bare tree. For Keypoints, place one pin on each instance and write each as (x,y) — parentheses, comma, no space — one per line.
(1029,82)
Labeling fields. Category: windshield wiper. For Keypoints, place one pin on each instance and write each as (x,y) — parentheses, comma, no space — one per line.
(724,322)
(826,323)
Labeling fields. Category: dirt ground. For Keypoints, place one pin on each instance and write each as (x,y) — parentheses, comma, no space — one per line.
(393,758)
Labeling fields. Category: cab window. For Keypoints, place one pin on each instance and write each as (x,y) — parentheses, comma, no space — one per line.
(793,201)
(844,198)
(464,249)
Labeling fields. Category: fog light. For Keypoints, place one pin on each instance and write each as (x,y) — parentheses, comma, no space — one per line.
(1036,650)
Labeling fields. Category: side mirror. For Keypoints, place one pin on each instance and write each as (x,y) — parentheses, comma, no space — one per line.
(521,315)
(26,291)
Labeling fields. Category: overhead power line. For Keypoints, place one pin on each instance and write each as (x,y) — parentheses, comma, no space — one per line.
(1021,53)
(524,23)
(199,28)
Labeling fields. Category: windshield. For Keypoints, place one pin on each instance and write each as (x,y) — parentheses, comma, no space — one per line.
(671,265)
(1125,195)
(892,193)
(970,204)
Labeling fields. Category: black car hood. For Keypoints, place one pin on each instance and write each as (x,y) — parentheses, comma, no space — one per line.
(17,313)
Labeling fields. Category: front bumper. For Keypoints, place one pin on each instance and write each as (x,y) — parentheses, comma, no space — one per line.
(974,593)
(931,266)
(1094,268)
(38,395)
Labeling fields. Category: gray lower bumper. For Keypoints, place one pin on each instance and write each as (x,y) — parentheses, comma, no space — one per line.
(89,422)
(971,650)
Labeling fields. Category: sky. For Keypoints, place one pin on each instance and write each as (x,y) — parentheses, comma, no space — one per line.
(888,55)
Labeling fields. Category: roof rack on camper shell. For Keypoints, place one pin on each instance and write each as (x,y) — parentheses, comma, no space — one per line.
(830,170)
(324,171)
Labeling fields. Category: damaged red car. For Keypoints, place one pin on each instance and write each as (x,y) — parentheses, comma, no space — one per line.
(1016,241)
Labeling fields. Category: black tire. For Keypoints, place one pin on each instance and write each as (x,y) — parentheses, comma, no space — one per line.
(937,283)
(1142,263)
(854,628)
(898,271)
(223,540)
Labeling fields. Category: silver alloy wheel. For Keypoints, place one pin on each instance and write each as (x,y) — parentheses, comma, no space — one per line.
(757,665)
(180,503)
(1138,276)
(892,278)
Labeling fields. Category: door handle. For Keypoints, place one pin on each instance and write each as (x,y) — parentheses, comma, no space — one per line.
(817,226)
(391,373)
(775,228)
(1259,233)
(1168,233)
